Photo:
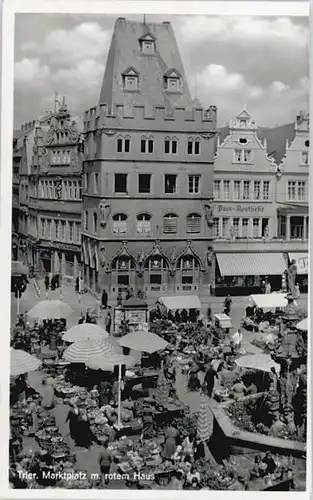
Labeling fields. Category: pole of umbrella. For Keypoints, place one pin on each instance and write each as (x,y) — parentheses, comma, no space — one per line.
(119,397)
(18,305)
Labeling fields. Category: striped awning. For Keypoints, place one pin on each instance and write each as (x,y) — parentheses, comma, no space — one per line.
(251,264)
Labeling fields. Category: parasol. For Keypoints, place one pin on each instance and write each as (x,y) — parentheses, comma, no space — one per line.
(261,362)
(22,362)
(50,309)
(143,341)
(109,361)
(303,325)
(162,392)
(205,420)
(82,350)
(84,331)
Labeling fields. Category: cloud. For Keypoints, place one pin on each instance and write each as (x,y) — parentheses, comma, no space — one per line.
(31,71)
(244,30)
(84,41)
(84,76)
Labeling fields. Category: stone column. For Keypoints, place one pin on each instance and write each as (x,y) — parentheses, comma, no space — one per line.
(75,270)
(63,264)
(288,227)
(305,228)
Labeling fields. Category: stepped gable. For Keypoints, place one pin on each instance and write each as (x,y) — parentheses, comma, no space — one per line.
(129,51)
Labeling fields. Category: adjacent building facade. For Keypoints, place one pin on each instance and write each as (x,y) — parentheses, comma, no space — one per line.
(148,171)
(54,196)
(260,209)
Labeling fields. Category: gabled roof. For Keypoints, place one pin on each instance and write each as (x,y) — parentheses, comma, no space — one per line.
(172,73)
(130,71)
(147,37)
(244,115)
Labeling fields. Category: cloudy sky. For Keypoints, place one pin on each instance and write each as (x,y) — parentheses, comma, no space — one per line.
(260,62)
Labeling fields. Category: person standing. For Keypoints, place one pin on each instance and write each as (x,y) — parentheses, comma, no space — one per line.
(297,291)
(48,395)
(77,285)
(47,284)
(209,380)
(268,287)
(105,461)
(108,322)
(104,299)
(72,418)
(227,304)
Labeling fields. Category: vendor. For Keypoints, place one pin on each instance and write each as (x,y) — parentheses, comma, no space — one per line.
(269,461)
(238,390)
(193,478)
(189,445)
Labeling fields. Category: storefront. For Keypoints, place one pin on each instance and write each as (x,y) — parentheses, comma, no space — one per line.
(243,273)
(302,263)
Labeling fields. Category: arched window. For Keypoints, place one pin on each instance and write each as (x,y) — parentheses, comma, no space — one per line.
(144,223)
(188,273)
(170,145)
(193,145)
(147,145)
(123,267)
(193,223)
(170,223)
(95,222)
(123,144)
(86,220)
(119,223)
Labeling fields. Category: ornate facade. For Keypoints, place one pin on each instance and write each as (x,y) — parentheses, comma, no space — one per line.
(148,171)
(260,209)
(54,218)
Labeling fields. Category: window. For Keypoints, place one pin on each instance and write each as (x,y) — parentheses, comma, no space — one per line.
(57,227)
(86,220)
(70,231)
(238,155)
(147,46)
(193,223)
(170,146)
(217,190)
(79,189)
(119,223)
(147,145)
(237,190)
(266,190)
(155,279)
(236,227)
(144,183)
(170,224)
(193,146)
(225,227)
(62,230)
(86,182)
(194,184)
(246,190)
(170,183)
(48,226)
(257,190)
(301,190)
(95,222)
(120,183)
(256,230)
(123,144)
(144,223)
(96,185)
(244,228)
(226,190)
(131,82)
(304,158)
(216,227)
(246,155)
(292,190)
(265,227)
(42,228)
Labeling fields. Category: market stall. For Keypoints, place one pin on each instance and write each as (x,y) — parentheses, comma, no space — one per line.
(177,302)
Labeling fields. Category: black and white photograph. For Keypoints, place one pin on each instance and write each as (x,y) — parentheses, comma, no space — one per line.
(159,248)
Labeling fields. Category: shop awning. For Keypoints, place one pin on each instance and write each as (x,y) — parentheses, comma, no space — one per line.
(251,264)
(302,262)
(269,300)
(181,302)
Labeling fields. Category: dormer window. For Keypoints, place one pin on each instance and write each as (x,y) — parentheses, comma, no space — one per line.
(130,79)
(172,80)
(147,44)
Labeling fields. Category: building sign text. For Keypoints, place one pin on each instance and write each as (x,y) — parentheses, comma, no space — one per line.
(240,208)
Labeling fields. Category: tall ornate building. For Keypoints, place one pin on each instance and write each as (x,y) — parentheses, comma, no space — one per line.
(293,197)
(148,171)
(54,218)
(260,209)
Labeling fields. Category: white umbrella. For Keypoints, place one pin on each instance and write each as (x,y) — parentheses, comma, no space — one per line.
(109,361)
(143,341)
(81,351)
(50,309)
(205,419)
(261,362)
(22,362)
(303,325)
(84,331)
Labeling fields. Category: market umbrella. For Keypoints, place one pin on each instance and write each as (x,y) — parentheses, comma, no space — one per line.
(85,331)
(162,392)
(82,350)
(22,362)
(205,419)
(143,341)
(109,361)
(261,362)
(303,325)
(50,309)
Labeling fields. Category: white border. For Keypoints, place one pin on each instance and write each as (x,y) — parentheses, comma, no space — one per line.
(102,7)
